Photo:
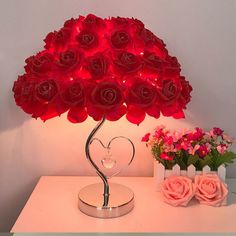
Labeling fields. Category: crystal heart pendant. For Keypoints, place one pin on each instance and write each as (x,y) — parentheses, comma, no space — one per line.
(108,162)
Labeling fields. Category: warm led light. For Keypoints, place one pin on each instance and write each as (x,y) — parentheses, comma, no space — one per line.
(78,52)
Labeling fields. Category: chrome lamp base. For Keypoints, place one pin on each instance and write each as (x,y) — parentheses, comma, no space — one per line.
(91,200)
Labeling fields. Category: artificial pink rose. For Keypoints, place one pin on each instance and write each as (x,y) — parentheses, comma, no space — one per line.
(177,190)
(210,190)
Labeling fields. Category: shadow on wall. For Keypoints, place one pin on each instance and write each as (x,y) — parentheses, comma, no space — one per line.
(13,115)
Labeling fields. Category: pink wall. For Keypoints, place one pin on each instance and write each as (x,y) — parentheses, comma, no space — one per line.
(201,34)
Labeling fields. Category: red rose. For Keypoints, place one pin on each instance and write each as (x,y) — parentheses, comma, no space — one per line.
(107,99)
(69,59)
(169,95)
(38,99)
(46,90)
(127,62)
(150,39)
(169,91)
(138,24)
(147,36)
(39,64)
(186,90)
(173,62)
(58,38)
(74,97)
(107,95)
(23,90)
(97,65)
(70,23)
(172,67)
(93,22)
(124,68)
(141,99)
(119,21)
(87,39)
(120,39)
(74,94)
(142,94)
(153,62)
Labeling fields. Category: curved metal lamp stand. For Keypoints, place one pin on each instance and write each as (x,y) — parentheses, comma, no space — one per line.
(105,200)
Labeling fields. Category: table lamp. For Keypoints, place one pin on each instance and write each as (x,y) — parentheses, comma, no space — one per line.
(105,69)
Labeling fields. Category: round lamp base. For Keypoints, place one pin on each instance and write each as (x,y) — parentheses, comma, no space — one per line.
(121,200)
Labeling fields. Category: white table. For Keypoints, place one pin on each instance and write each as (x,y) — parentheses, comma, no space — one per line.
(52,207)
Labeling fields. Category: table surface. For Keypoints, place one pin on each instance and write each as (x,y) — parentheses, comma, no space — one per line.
(52,207)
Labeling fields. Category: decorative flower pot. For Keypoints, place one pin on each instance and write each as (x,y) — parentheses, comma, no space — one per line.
(160,173)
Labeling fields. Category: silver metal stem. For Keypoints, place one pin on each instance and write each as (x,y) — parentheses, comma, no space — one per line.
(98,171)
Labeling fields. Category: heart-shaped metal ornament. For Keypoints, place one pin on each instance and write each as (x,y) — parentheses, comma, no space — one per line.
(108,161)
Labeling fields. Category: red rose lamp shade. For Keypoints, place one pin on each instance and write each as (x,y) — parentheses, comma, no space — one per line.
(105,69)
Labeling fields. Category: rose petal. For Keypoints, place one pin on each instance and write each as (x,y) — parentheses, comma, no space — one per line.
(135,115)
(177,190)
(50,113)
(95,113)
(116,114)
(77,115)
(179,115)
(210,190)
(153,111)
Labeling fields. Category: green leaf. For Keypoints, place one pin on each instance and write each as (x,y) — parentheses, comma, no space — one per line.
(226,159)
(207,160)
(184,157)
(192,160)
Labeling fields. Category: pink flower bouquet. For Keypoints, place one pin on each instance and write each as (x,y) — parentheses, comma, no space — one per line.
(195,147)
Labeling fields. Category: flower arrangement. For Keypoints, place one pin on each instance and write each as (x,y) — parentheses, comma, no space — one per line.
(102,67)
(208,189)
(195,147)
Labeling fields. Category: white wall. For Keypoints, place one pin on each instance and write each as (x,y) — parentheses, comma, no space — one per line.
(201,33)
